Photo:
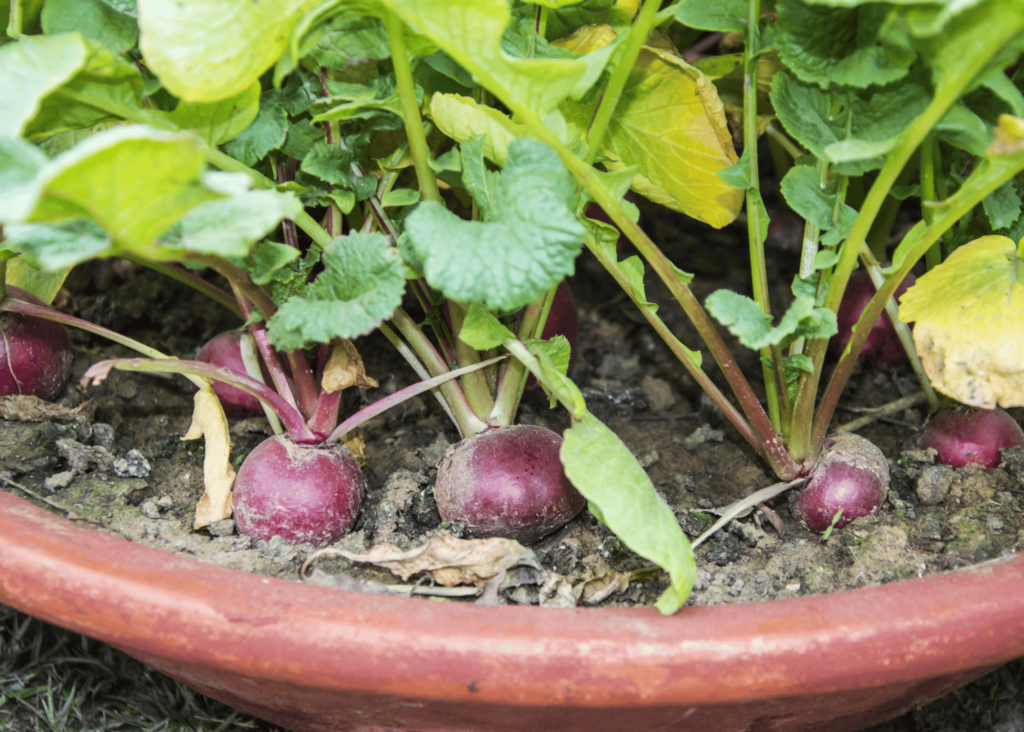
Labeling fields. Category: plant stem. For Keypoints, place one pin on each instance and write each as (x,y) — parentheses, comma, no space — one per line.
(417,366)
(642,25)
(14,20)
(758,270)
(462,413)
(513,378)
(878,236)
(933,258)
(251,360)
(410,108)
(474,384)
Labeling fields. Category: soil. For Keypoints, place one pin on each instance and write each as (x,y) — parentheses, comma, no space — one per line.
(122,465)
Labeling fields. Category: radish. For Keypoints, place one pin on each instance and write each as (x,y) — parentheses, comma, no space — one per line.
(851,475)
(562,320)
(306,494)
(225,350)
(35,355)
(507,481)
(882,350)
(962,436)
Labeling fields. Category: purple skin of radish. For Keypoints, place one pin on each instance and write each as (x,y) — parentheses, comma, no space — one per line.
(224,350)
(562,320)
(35,354)
(507,481)
(302,493)
(962,436)
(882,350)
(851,474)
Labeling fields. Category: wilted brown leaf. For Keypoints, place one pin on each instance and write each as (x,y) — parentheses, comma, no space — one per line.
(345,368)
(25,408)
(208,421)
(450,561)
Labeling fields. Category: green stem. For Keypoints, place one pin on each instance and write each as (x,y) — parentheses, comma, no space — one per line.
(462,413)
(474,384)
(14,20)
(410,108)
(3,274)
(758,270)
(513,378)
(642,25)
(878,236)
(933,258)
(417,366)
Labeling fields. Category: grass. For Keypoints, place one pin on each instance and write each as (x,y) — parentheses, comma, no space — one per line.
(52,680)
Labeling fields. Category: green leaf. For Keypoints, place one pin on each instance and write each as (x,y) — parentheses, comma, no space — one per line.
(104,83)
(303,136)
(462,119)
(481,330)
(229,227)
(744,319)
(470,31)
(728,16)
(633,269)
(267,132)
(133,181)
(207,50)
(818,205)
(360,286)
(98,20)
(20,163)
(825,258)
(837,46)
(1002,206)
(43,284)
(740,174)
(604,470)
(57,246)
(350,39)
(861,133)
(552,378)
(400,197)
(964,129)
(333,164)
(528,245)
(267,259)
(563,21)
(218,122)
(33,68)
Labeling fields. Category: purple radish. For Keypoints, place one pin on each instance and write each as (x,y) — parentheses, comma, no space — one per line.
(225,350)
(302,493)
(962,436)
(507,481)
(35,354)
(562,320)
(851,475)
(882,350)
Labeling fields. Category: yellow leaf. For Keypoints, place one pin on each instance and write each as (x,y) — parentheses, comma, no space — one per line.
(670,123)
(461,119)
(43,284)
(1009,136)
(969,315)
(208,421)
(345,368)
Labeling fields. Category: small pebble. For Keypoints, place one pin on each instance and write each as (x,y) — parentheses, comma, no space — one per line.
(149,509)
(132,465)
(59,480)
(164,502)
(995,524)
(222,528)
(660,397)
(648,459)
(934,483)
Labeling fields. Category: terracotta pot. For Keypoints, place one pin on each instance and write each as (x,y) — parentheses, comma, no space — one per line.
(314,659)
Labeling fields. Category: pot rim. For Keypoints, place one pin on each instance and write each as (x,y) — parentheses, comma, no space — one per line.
(159,604)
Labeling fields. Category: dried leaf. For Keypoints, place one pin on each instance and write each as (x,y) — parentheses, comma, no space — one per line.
(450,561)
(597,589)
(345,368)
(356,445)
(25,408)
(208,421)
(557,591)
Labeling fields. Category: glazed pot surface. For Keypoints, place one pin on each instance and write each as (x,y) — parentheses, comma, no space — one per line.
(310,659)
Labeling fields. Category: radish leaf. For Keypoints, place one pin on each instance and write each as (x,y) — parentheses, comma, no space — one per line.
(604,470)
(528,244)
(97,20)
(361,285)
(33,68)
